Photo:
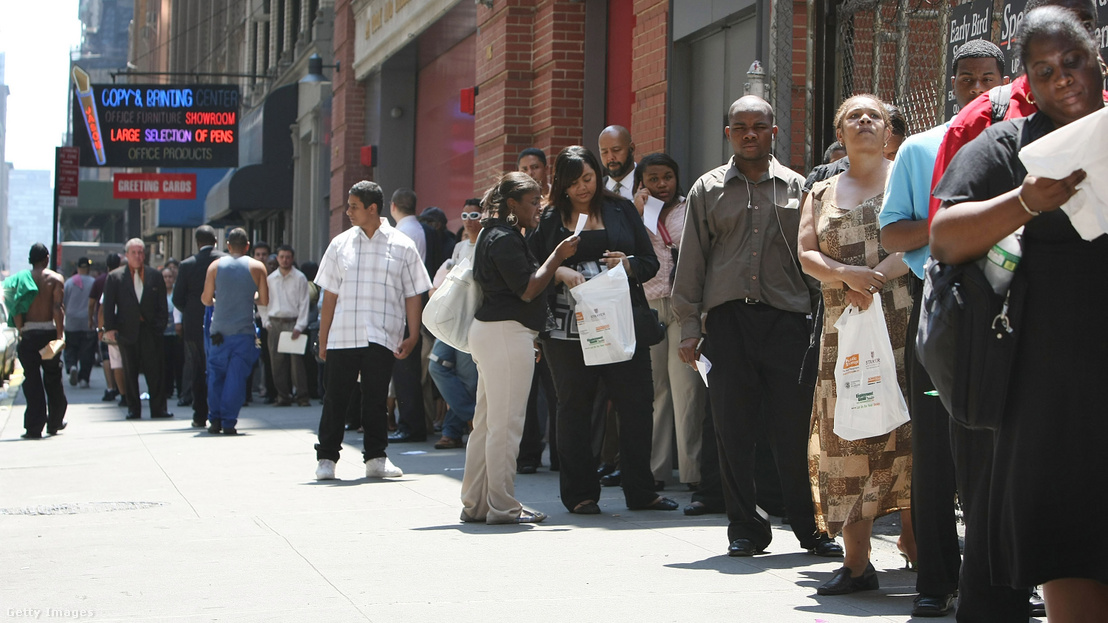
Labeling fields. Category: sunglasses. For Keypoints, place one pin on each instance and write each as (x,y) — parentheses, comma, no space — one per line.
(471,216)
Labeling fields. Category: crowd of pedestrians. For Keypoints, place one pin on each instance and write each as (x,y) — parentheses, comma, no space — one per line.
(736,289)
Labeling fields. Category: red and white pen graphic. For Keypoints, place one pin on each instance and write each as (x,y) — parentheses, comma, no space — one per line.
(88,111)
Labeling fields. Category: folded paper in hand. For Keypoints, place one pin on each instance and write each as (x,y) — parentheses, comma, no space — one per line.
(289,346)
(1077,145)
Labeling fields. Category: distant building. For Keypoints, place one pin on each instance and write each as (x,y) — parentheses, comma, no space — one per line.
(30,213)
(5,262)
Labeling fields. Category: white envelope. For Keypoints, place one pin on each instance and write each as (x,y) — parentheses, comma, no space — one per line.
(651,211)
(1078,145)
(289,346)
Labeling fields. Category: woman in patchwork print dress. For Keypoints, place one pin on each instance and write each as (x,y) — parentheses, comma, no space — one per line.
(855,482)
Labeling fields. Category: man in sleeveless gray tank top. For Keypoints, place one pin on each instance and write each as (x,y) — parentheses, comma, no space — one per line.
(230,286)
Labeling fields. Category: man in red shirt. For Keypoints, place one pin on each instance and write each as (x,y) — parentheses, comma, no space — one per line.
(978,114)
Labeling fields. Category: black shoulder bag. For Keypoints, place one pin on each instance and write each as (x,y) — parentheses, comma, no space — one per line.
(967,340)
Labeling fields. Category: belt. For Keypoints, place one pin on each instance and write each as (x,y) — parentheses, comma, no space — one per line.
(750,301)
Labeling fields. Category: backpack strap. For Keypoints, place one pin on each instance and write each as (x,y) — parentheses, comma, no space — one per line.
(1000,97)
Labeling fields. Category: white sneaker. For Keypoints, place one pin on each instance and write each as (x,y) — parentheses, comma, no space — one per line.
(382,467)
(83,384)
(325,470)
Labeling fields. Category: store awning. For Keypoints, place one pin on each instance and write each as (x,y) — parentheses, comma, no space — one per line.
(263,180)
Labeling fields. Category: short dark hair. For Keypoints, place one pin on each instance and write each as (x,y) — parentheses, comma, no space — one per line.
(898,121)
(260,244)
(568,166)
(286,247)
(205,235)
(1053,22)
(369,193)
(309,269)
(510,186)
(830,151)
(239,240)
(532,151)
(405,200)
(39,253)
(475,201)
(978,48)
(658,159)
(113,261)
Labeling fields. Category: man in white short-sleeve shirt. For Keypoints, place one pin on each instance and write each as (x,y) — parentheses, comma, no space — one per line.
(372,277)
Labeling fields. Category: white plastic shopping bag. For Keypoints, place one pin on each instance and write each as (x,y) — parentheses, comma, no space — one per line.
(869,401)
(604,320)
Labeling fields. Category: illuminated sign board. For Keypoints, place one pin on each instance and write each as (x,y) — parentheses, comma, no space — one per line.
(194,126)
(154,186)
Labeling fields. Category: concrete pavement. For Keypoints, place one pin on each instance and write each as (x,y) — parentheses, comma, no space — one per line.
(117,520)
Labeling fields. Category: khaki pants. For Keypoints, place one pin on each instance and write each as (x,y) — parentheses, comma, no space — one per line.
(282,362)
(679,396)
(505,358)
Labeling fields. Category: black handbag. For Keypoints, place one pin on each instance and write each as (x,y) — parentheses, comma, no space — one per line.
(649,330)
(967,340)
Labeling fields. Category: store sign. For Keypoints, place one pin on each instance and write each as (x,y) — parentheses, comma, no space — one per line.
(194,126)
(968,22)
(386,26)
(154,185)
(66,176)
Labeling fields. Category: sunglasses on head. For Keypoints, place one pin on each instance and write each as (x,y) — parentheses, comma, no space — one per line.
(471,216)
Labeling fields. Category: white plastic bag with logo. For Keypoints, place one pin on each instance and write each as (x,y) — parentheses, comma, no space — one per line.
(604,320)
(869,401)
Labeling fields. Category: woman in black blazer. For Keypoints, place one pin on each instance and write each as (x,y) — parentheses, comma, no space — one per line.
(613,234)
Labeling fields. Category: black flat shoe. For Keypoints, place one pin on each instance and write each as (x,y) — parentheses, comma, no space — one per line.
(700,508)
(405,438)
(196,424)
(605,469)
(611,480)
(134,416)
(55,431)
(215,429)
(162,416)
(841,583)
(527,469)
(741,548)
(30,435)
(586,508)
(230,430)
(661,504)
(933,605)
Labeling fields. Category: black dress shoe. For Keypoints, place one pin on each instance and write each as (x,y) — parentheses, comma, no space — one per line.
(605,469)
(662,504)
(401,437)
(611,480)
(659,485)
(230,430)
(134,416)
(527,468)
(198,424)
(841,583)
(743,548)
(162,416)
(55,431)
(30,435)
(933,605)
(827,548)
(591,508)
(215,429)
(700,508)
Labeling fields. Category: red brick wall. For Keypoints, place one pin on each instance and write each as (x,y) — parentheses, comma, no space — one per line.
(348,119)
(649,71)
(530,72)
(799,113)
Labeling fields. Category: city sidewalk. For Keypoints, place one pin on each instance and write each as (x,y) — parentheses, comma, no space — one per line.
(147,520)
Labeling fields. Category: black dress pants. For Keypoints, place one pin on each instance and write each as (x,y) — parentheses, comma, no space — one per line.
(933,484)
(42,383)
(407,381)
(979,601)
(710,491)
(375,363)
(531,444)
(80,352)
(756,353)
(197,360)
(147,356)
(631,388)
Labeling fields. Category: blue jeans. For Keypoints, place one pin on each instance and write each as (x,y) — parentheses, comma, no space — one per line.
(229,366)
(455,374)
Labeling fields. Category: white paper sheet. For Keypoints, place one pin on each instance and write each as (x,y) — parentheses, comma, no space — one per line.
(703,366)
(581,220)
(651,211)
(289,346)
(1078,145)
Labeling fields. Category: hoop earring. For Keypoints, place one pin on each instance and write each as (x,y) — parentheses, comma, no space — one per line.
(1031,98)
(512,220)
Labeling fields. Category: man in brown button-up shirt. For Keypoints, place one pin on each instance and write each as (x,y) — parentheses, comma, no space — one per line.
(738,265)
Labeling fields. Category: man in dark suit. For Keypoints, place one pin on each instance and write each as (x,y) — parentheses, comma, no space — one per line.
(186,297)
(135,315)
